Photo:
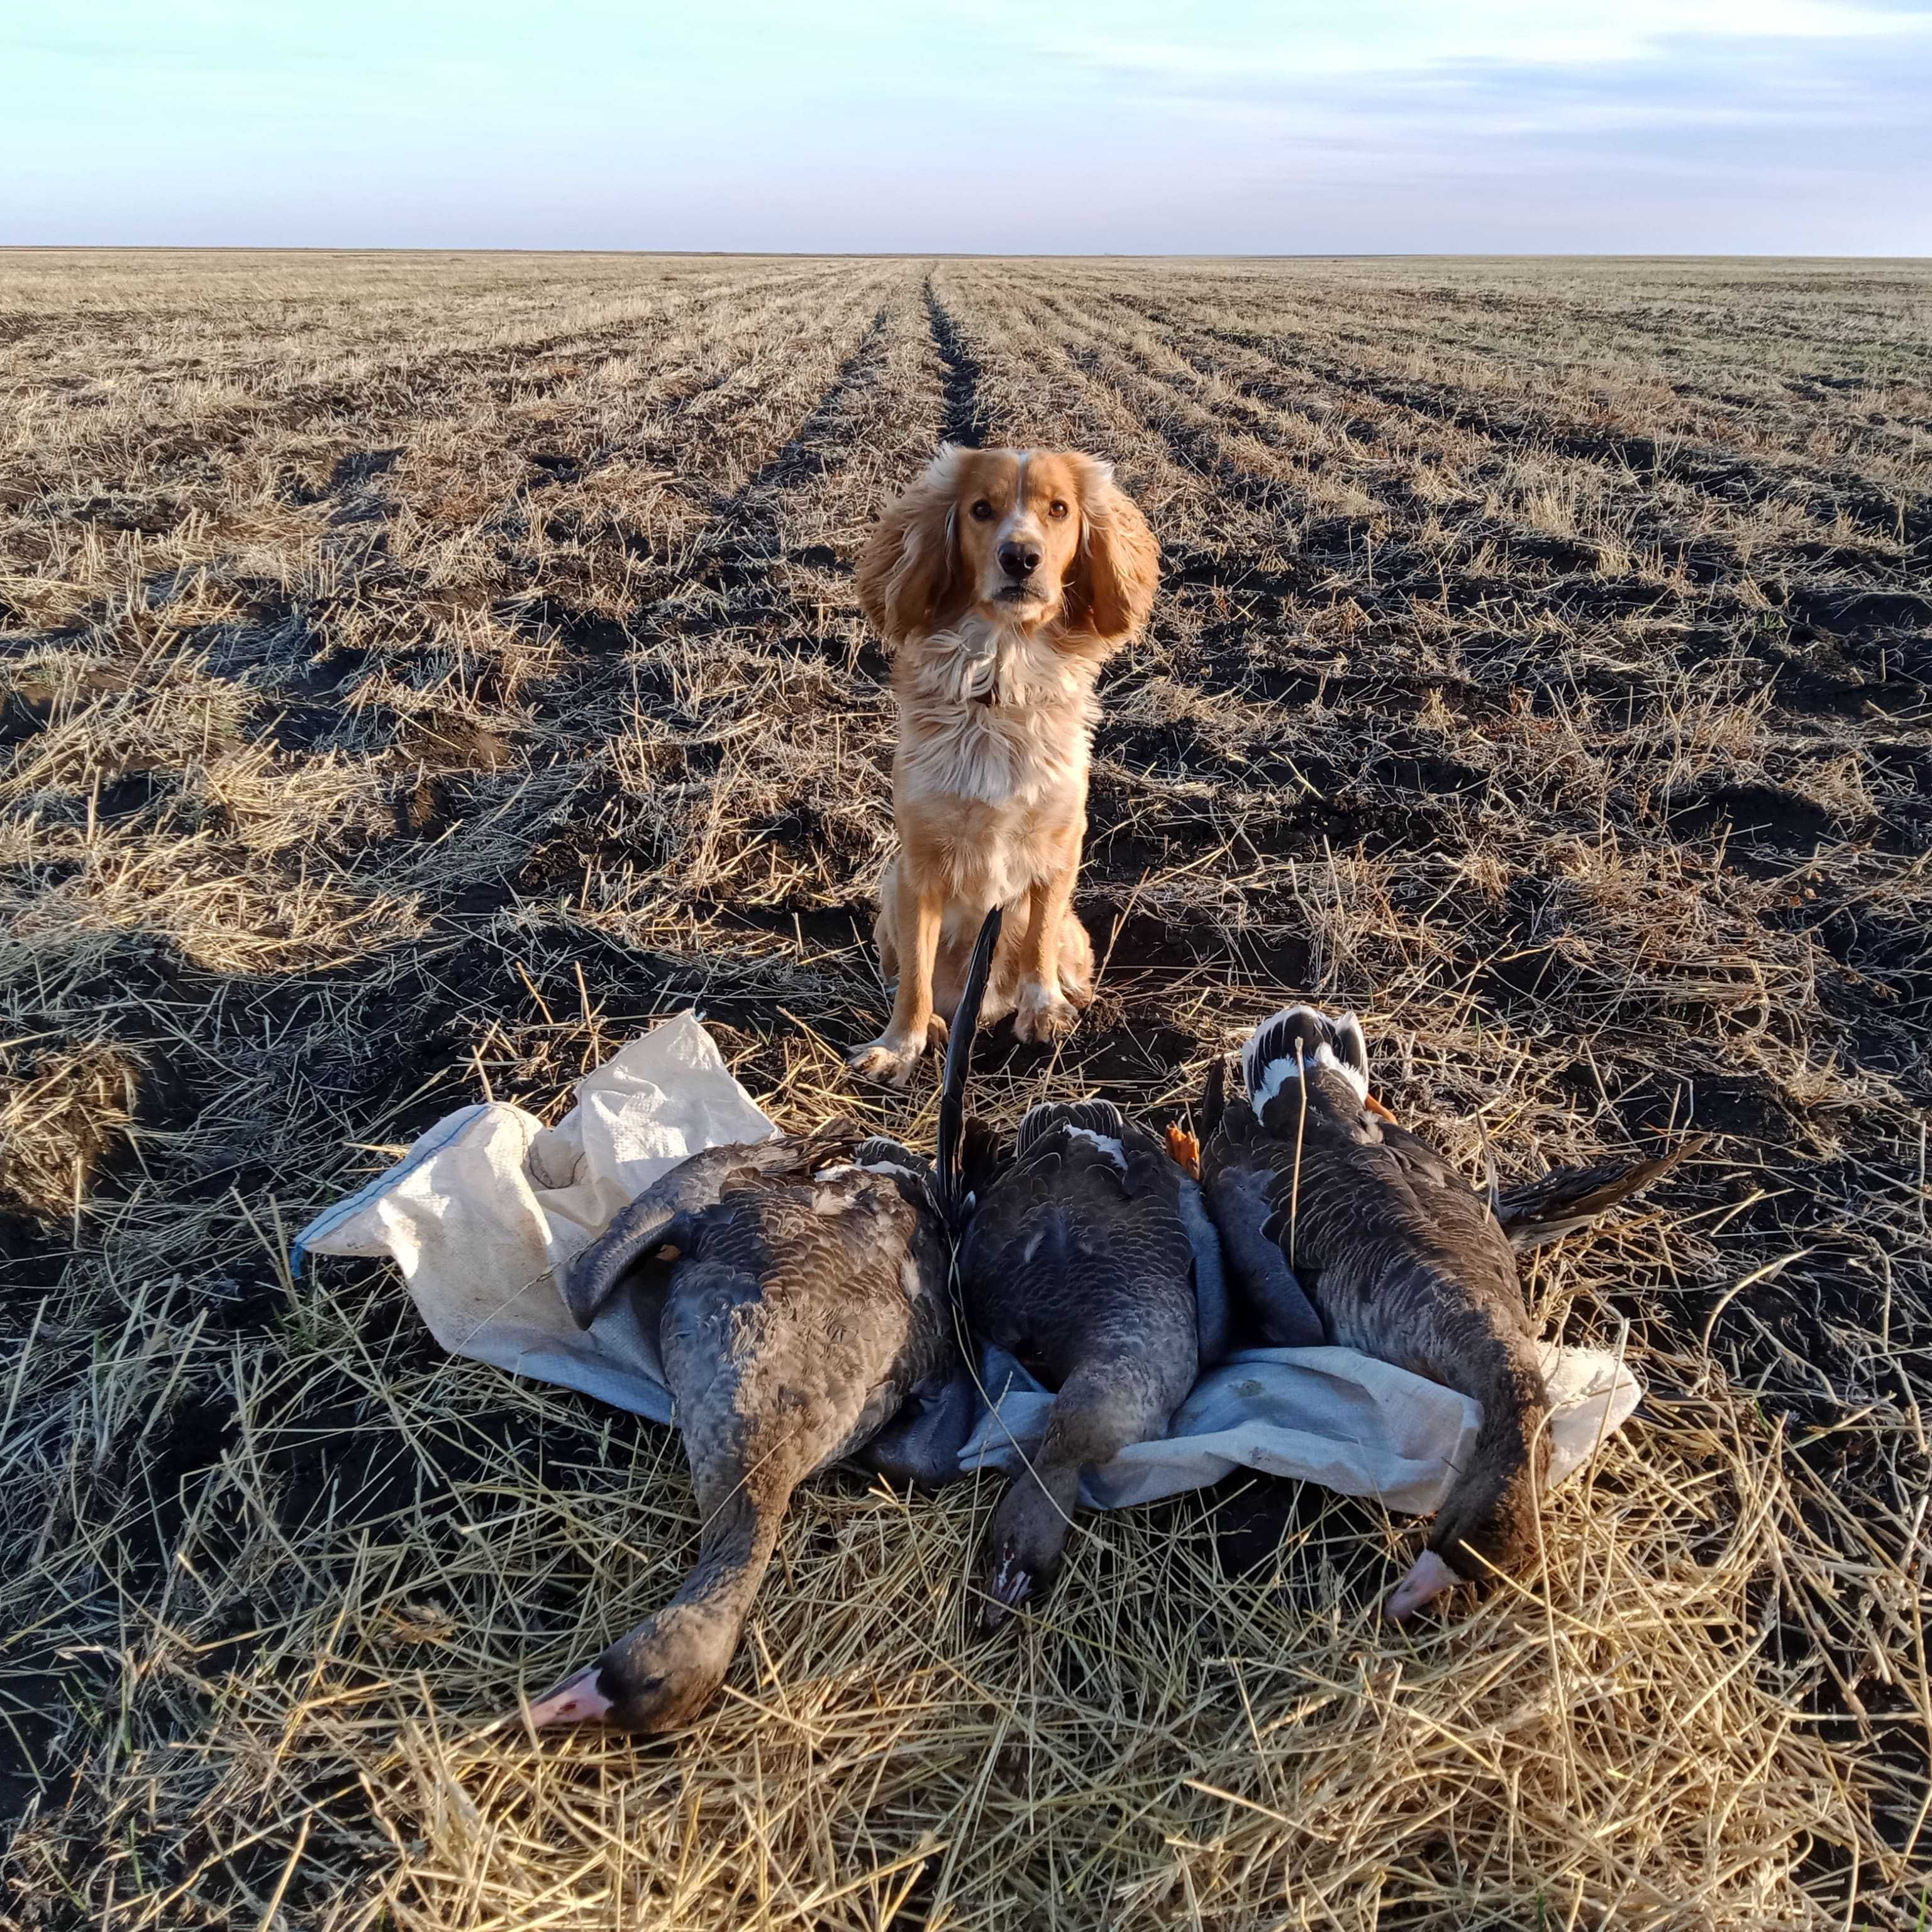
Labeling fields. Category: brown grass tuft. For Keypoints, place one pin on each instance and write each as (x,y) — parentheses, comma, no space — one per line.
(61,1110)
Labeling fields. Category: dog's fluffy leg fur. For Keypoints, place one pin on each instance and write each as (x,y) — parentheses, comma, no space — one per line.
(1076,962)
(1041,1011)
(885,930)
(914,1029)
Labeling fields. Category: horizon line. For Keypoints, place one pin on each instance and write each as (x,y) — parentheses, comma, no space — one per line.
(954,254)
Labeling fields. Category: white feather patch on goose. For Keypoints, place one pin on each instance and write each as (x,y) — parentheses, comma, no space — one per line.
(1268,1068)
(1099,1120)
(1106,1143)
(849,1170)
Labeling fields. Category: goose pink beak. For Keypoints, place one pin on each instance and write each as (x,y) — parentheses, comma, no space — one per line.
(577,1700)
(1427,1579)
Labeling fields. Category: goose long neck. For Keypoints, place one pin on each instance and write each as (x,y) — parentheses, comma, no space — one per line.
(734,1547)
(1492,1505)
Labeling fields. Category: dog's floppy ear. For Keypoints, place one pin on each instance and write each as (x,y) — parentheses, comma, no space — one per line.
(909,571)
(1111,590)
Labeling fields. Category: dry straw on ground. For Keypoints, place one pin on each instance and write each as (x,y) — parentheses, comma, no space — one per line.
(421,672)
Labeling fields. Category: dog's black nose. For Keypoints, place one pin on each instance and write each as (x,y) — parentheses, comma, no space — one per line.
(1018,559)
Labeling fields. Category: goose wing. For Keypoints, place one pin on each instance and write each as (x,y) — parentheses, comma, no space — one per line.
(1315,1234)
(1424,1168)
(1154,1174)
(926,1403)
(640,1230)
(1533,1212)
(1213,1315)
(824,1300)
(1242,1194)
(1238,1179)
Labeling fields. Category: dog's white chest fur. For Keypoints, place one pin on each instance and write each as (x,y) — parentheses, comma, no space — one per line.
(996,716)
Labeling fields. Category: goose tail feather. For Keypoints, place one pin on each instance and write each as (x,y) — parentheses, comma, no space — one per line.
(959,1063)
(1536,1212)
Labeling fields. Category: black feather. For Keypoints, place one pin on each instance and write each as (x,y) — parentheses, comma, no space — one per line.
(1533,1212)
(1214,1100)
(982,1156)
(958,1061)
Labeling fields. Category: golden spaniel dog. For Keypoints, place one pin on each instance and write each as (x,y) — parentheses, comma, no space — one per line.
(1003,580)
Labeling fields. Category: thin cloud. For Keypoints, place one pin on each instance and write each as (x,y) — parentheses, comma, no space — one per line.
(1268,126)
(1399,39)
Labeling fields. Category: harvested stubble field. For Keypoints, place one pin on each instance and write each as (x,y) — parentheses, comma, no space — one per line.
(423,671)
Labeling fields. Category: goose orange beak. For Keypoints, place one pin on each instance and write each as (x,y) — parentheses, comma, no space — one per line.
(1376,1108)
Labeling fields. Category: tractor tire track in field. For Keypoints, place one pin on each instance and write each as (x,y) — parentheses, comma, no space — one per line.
(1873,606)
(748,538)
(498,837)
(1728,478)
(726,583)
(1831,601)
(731,564)
(739,599)
(407,386)
(961,422)
(1403,590)
(406,393)
(736,559)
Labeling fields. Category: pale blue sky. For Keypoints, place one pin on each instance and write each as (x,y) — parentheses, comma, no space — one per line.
(1758,126)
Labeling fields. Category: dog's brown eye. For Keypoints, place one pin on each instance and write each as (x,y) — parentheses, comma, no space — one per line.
(982,510)
(1056,509)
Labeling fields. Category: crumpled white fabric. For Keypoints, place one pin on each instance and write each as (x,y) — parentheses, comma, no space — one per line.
(1325,1415)
(485,1211)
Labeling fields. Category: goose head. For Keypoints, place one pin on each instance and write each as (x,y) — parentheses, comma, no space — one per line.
(656,1677)
(1026,1548)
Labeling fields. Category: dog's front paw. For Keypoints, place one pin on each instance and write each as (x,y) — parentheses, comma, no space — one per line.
(889,1059)
(1042,1015)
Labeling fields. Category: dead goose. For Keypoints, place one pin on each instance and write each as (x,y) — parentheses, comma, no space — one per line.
(806,1317)
(1339,1225)
(1089,1256)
